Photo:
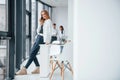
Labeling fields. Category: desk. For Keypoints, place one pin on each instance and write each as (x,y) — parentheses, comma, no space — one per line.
(43,58)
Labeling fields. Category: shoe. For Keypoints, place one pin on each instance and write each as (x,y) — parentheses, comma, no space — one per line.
(36,71)
(23,71)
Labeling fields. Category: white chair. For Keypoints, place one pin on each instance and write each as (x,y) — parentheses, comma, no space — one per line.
(57,60)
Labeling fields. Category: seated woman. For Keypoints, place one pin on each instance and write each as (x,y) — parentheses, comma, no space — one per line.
(43,37)
(61,36)
(54,33)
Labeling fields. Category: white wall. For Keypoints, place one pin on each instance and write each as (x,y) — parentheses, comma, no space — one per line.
(97,39)
(70,19)
(60,17)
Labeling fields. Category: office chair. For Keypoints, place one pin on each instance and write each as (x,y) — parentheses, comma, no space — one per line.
(57,61)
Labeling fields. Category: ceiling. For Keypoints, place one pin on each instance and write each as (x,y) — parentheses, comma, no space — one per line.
(56,2)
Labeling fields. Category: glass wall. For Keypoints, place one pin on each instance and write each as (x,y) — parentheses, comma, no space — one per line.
(50,12)
(27,48)
(40,8)
(3,26)
(27,37)
(46,7)
(27,24)
(28,28)
(28,5)
(33,20)
(3,16)
(3,59)
(3,43)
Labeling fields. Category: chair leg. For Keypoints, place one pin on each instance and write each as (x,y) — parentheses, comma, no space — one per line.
(62,64)
(58,63)
(70,68)
(62,70)
(52,72)
(51,62)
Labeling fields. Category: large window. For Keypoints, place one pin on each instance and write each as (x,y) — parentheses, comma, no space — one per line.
(3,59)
(3,16)
(46,7)
(33,20)
(40,8)
(28,28)
(6,39)
(50,12)
(27,24)
(27,36)
(28,5)
(3,48)
(3,43)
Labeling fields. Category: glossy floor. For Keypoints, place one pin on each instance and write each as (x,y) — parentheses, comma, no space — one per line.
(56,76)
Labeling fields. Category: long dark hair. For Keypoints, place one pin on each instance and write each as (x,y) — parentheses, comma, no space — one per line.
(62,29)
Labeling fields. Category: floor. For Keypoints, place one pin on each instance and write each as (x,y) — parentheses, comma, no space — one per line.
(56,75)
(30,77)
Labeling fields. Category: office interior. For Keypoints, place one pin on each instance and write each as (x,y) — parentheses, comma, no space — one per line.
(19,21)
(92,26)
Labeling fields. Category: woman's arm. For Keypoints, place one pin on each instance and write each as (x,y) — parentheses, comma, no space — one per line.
(47,31)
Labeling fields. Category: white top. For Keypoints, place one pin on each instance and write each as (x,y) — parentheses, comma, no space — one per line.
(47,30)
(54,32)
(61,35)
